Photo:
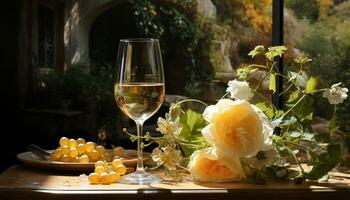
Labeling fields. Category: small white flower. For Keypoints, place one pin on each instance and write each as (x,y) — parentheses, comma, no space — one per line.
(167,156)
(168,127)
(336,94)
(262,159)
(239,90)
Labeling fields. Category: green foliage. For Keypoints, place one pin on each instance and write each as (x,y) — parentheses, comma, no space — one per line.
(275,51)
(324,161)
(327,41)
(192,124)
(171,20)
(311,85)
(304,9)
(258,50)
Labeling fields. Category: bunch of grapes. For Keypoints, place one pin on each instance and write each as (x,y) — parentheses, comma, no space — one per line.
(106,173)
(71,150)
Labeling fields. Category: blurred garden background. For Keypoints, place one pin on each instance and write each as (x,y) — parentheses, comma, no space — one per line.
(65,54)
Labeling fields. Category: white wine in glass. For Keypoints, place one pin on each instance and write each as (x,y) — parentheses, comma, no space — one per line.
(139,92)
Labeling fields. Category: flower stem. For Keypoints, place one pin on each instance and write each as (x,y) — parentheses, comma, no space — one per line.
(183,168)
(298,145)
(296,159)
(301,98)
(227,93)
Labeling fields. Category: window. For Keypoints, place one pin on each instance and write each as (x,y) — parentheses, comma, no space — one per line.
(46,37)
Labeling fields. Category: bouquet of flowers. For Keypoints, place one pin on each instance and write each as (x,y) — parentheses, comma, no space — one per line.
(233,140)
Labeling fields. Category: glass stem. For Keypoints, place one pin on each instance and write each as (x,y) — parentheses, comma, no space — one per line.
(139,167)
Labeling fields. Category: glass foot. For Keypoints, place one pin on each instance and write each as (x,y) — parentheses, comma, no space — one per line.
(140,178)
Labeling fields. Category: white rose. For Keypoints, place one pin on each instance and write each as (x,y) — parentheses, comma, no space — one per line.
(336,94)
(237,128)
(211,165)
(239,90)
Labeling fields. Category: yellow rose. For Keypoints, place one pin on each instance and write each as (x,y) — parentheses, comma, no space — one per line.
(236,127)
(211,165)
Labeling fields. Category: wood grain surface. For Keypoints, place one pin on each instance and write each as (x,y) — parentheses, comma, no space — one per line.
(22,182)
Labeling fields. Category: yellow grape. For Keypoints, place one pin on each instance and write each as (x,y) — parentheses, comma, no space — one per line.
(105,178)
(94,155)
(65,150)
(64,158)
(84,159)
(73,159)
(116,162)
(80,141)
(72,143)
(56,155)
(120,169)
(81,148)
(118,151)
(89,146)
(64,141)
(94,178)
(114,176)
(100,149)
(100,170)
(100,163)
(73,152)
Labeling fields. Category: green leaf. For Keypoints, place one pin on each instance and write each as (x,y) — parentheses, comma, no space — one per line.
(275,51)
(258,50)
(192,124)
(325,162)
(294,134)
(283,122)
(266,109)
(304,109)
(280,146)
(300,79)
(302,59)
(244,72)
(272,85)
(311,85)
(293,96)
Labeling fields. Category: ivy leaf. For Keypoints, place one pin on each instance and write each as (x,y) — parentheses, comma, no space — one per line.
(258,50)
(266,109)
(280,146)
(283,122)
(293,96)
(272,84)
(244,72)
(302,59)
(311,85)
(275,51)
(294,134)
(304,109)
(192,124)
(325,162)
(299,78)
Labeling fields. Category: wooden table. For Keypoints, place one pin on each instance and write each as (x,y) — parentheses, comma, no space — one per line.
(22,182)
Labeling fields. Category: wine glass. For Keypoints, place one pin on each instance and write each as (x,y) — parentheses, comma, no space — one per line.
(139,92)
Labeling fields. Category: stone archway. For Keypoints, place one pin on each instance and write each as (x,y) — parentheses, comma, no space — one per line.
(80,15)
(107,29)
